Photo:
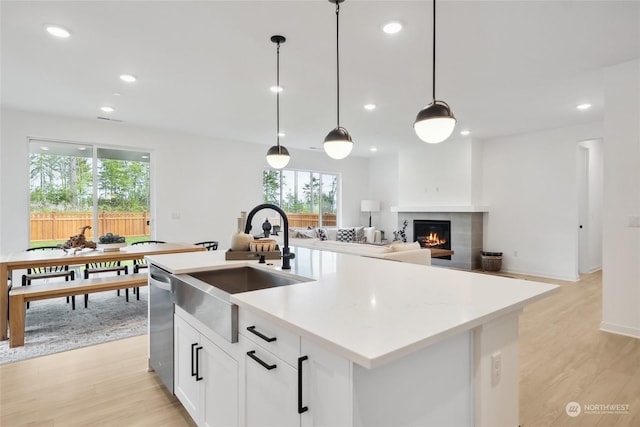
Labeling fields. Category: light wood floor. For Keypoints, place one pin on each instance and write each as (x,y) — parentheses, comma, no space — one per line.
(102,385)
(563,357)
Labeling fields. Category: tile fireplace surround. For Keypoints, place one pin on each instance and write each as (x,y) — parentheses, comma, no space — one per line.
(466,236)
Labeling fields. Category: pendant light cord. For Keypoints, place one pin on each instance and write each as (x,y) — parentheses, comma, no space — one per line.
(338,61)
(434,52)
(278,98)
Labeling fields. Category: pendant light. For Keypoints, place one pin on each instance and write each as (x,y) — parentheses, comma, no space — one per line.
(435,122)
(338,143)
(278,156)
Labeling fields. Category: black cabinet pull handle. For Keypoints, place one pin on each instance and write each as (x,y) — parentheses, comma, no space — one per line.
(252,354)
(301,408)
(198,377)
(252,329)
(193,365)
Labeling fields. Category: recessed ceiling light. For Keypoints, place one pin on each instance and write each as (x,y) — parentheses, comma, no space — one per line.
(465,132)
(116,94)
(392,27)
(370,107)
(57,31)
(276,89)
(373,149)
(583,106)
(281,134)
(128,78)
(108,109)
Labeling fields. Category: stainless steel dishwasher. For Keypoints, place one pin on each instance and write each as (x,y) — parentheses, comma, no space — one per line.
(161,325)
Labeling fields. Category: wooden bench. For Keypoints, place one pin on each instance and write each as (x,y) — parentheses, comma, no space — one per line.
(19,296)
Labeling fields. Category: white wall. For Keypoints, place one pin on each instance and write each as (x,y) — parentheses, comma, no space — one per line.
(621,260)
(205,182)
(529,183)
(383,186)
(438,174)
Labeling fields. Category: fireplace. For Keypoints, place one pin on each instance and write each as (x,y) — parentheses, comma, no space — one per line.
(465,234)
(433,234)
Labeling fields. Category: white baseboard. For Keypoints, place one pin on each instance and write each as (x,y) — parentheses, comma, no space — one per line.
(542,274)
(620,329)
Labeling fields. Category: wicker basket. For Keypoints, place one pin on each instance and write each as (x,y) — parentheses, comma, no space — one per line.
(491,261)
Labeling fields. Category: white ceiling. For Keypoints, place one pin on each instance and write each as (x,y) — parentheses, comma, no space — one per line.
(205,67)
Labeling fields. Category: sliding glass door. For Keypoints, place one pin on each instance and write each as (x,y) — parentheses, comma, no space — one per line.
(74,185)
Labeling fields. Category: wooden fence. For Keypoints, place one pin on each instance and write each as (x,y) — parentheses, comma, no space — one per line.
(61,225)
(310,220)
(47,226)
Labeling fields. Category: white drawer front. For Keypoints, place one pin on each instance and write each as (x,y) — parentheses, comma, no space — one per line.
(286,344)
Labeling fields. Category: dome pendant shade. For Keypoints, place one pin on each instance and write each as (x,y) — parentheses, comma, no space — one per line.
(435,122)
(278,157)
(338,144)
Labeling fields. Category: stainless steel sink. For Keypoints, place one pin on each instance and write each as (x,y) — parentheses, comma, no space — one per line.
(205,295)
(244,279)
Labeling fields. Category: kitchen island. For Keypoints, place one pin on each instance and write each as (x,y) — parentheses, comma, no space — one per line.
(378,342)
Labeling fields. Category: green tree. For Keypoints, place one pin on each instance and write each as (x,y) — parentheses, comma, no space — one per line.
(311,192)
(271,187)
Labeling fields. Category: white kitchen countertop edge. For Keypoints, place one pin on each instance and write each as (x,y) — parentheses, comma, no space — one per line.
(374,362)
(252,301)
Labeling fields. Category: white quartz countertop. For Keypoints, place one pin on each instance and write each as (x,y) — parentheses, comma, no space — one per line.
(368,310)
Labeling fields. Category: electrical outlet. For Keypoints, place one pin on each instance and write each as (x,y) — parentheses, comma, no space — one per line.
(496,368)
(515,254)
(175,215)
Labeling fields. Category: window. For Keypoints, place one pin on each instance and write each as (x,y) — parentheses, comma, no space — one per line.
(73,185)
(309,198)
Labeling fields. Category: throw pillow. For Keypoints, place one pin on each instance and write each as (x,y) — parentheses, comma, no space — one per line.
(309,234)
(345,235)
(358,234)
(323,234)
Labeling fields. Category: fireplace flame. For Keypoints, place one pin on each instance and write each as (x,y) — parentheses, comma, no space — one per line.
(433,240)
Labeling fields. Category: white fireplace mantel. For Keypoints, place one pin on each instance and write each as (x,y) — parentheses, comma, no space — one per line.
(466,208)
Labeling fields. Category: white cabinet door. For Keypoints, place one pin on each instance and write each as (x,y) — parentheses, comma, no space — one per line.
(271,390)
(186,388)
(206,378)
(220,378)
(326,387)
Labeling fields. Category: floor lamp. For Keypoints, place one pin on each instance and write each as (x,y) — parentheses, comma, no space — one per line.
(370,206)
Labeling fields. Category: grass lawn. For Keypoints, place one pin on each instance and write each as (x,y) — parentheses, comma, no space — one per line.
(42,243)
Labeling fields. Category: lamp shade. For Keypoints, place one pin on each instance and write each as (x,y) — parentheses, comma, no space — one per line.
(435,122)
(338,144)
(370,206)
(278,156)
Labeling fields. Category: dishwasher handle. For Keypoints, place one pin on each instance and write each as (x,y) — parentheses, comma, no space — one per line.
(160,281)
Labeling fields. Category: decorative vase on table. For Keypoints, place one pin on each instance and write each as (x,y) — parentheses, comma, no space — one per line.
(241,241)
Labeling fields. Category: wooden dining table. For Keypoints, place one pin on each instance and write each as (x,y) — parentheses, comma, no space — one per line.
(31,259)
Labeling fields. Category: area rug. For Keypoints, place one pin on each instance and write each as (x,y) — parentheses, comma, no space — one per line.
(52,326)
